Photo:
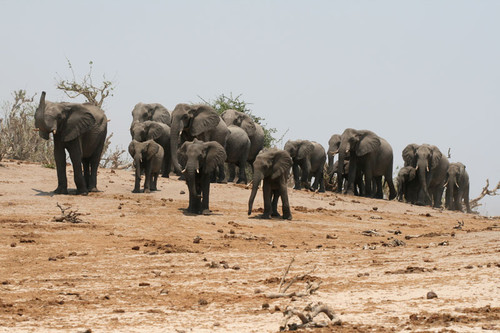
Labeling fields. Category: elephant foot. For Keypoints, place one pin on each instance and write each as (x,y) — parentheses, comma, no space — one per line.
(296,188)
(264,216)
(61,190)
(165,175)
(221,182)
(147,190)
(93,189)
(322,191)
(275,214)
(241,181)
(206,212)
(136,191)
(287,217)
(82,192)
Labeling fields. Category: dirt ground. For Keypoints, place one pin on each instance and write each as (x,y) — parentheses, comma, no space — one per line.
(139,263)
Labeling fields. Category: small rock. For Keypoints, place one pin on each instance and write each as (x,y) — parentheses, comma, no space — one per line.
(106,297)
(136,248)
(202,301)
(331,237)
(257,291)
(164,291)
(52,259)
(375,208)
(431,295)
(236,267)
(182,192)
(319,246)
(231,232)
(469,267)
(224,264)
(12,244)
(197,240)
(72,254)
(277,308)
(220,231)
(265,306)
(213,264)
(144,284)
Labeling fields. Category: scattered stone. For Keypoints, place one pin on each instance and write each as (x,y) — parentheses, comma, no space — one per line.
(369,247)
(22,240)
(197,240)
(164,291)
(220,231)
(182,192)
(136,248)
(469,267)
(231,232)
(144,284)
(283,245)
(213,264)
(265,306)
(52,259)
(363,274)
(328,236)
(257,291)
(202,301)
(375,208)
(119,311)
(431,295)
(106,297)
(224,264)
(12,244)
(236,267)
(444,243)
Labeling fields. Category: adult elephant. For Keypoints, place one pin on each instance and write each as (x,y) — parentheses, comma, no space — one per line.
(237,149)
(160,133)
(408,184)
(201,159)
(272,167)
(153,111)
(431,166)
(309,159)
(81,130)
(198,121)
(457,187)
(254,131)
(371,153)
(333,149)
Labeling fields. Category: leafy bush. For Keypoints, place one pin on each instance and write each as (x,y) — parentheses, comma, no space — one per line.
(18,136)
(223,103)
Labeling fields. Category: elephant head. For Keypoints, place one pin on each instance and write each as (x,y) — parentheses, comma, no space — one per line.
(240,119)
(192,119)
(66,120)
(272,163)
(355,143)
(333,149)
(148,130)
(200,158)
(299,149)
(425,158)
(155,112)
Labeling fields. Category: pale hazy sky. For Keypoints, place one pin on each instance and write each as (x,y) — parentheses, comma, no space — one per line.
(411,71)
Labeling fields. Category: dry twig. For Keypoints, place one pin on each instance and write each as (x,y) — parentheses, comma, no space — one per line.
(67,215)
(311,287)
(474,203)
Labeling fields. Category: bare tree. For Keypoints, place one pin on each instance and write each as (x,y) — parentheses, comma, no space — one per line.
(474,203)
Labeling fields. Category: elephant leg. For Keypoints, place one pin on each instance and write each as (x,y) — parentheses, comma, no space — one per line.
(232,172)
(287,214)
(242,175)
(221,177)
(353,169)
(392,189)
(147,181)
(368,181)
(75,154)
(60,158)
(274,203)
(167,159)
(296,176)
(94,161)
(320,178)
(154,181)
(379,192)
(305,167)
(86,170)
(466,200)
(266,189)
(438,195)
(205,190)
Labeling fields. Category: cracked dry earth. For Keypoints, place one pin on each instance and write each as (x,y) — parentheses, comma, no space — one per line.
(138,263)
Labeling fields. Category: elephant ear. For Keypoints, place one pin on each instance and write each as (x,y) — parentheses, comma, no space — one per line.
(215,155)
(152,149)
(436,156)
(131,148)
(248,125)
(181,152)
(155,130)
(367,144)
(305,149)
(282,162)
(160,113)
(204,118)
(409,154)
(412,174)
(78,121)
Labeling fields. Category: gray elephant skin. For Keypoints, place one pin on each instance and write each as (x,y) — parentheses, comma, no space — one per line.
(254,131)
(81,130)
(201,159)
(153,111)
(373,155)
(457,187)
(160,133)
(333,149)
(273,168)
(431,166)
(237,149)
(309,159)
(408,185)
(200,121)
(148,157)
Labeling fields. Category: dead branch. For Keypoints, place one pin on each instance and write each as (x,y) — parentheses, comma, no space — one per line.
(298,277)
(284,274)
(67,215)
(311,287)
(307,316)
(474,203)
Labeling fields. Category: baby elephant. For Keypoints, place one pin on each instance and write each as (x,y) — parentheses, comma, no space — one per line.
(408,184)
(148,156)
(457,187)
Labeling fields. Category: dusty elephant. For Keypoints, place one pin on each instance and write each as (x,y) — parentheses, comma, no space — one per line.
(457,187)
(272,167)
(148,157)
(81,130)
(160,133)
(371,153)
(408,185)
(153,111)
(309,159)
(431,166)
(201,159)
(333,149)
(199,121)
(237,149)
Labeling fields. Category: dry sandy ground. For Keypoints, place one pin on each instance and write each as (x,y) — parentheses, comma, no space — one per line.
(134,266)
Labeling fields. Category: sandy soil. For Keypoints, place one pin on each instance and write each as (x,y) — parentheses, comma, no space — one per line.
(134,265)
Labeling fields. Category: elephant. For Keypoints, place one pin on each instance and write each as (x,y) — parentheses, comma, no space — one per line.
(431,166)
(309,159)
(81,130)
(273,167)
(333,149)
(237,149)
(408,184)
(254,130)
(148,156)
(359,186)
(373,155)
(198,121)
(154,112)
(201,159)
(457,187)
(160,133)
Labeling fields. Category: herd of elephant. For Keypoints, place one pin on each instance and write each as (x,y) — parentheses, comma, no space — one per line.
(195,142)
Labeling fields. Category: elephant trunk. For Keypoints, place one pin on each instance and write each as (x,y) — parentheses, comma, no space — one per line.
(137,162)
(331,157)
(174,144)
(450,194)
(191,171)
(257,177)
(40,119)
(340,167)
(422,167)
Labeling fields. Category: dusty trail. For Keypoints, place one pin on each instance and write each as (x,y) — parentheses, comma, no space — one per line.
(134,266)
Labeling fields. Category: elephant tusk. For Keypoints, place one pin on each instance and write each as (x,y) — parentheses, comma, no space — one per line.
(427,169)
(54,132)
(183,171)
(456,184)
(416,169)
(445,184)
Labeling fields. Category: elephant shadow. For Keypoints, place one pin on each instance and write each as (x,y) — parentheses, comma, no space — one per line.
(186,212)
(43,193)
